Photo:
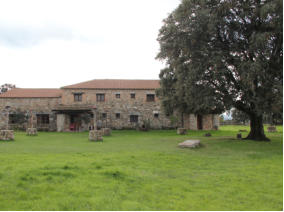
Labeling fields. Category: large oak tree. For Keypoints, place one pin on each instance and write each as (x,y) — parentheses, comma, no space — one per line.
(221,54)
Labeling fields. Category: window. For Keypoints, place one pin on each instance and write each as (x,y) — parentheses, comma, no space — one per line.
(42,119)
(117,115)
(117,95)
(132,95)
(133,118)
(77,97)
(156,115)
(104,115)
(17,118)
(13,119)
(150,97)
(100,97)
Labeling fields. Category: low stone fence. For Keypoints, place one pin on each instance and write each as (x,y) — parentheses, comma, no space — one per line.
(96,135)
(6,135)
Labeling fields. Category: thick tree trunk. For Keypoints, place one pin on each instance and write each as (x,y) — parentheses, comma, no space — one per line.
(256,129)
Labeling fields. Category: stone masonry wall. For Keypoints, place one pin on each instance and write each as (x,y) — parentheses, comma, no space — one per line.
(37,105)
(207,121)
(124,105)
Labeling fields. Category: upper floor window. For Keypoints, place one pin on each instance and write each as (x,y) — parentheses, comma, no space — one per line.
(117,115)
(117,95)
(132,95)
(150,97)
(100,97)
(156,115)
(77,97)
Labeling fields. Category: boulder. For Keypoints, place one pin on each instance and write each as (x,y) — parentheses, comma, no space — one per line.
(6,135)
(189,144)
(106,131)
(96,135)
(181,131)
(31,131)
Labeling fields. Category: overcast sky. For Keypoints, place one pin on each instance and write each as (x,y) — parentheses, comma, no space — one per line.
(49,44)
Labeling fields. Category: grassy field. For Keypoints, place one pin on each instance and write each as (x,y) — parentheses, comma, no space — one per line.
(133,170)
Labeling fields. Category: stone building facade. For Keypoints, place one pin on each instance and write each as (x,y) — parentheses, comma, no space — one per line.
(116,104)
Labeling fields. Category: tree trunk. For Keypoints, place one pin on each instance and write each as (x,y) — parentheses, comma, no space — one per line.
(256,129)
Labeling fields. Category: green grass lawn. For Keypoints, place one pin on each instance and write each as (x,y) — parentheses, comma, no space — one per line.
(133,170)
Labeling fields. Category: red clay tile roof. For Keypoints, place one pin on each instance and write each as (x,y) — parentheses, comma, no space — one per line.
(32,93)
(117,84)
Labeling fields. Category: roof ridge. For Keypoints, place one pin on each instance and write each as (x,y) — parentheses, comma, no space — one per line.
(120,83)
(37,88)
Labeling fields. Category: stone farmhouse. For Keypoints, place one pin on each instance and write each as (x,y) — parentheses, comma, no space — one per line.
(112,103)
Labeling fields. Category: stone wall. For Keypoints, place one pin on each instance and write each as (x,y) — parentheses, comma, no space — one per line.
(124,105)
(25,105)
(208,121)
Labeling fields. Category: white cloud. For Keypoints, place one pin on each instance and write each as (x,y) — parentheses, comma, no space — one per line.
(56,43)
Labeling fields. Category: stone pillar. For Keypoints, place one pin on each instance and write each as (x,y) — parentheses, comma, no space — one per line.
(60,122)
(192,122)
(31,131)
(95,118)
(216,123)
(6,135)
(4,120)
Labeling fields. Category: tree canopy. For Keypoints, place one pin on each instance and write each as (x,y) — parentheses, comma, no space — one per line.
(222,54)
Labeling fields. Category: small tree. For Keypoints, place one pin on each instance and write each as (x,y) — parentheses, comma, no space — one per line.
(6,87)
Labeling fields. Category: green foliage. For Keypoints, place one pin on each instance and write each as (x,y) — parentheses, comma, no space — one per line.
(174,121)
(6,87)
(239,116)
(223,54)
(134,170)
(19,117)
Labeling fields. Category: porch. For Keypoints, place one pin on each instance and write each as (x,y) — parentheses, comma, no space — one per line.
(74,117)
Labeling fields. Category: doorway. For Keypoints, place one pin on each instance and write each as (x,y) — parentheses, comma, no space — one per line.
(74,122)
(199,122)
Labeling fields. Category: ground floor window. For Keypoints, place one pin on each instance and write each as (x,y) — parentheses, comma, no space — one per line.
(12,119)
(117,115)
(133,118)
(17,118)
(42,119)
(156,115)
(104,115)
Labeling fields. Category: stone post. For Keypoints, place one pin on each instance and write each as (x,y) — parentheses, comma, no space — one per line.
(95,118)
(31,130)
